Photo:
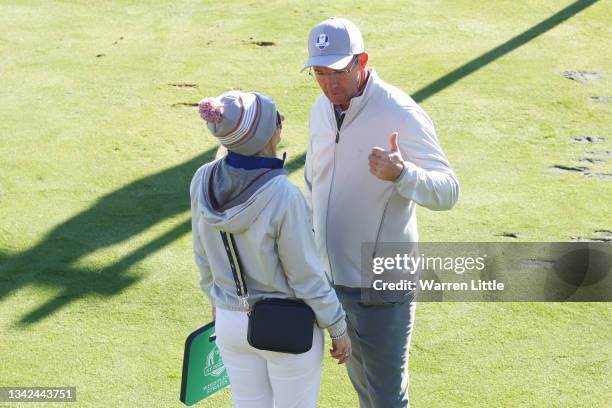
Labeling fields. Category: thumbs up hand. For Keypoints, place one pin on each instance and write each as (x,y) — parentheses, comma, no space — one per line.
(387,164)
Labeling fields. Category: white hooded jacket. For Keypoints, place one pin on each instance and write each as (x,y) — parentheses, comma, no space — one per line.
(273,236)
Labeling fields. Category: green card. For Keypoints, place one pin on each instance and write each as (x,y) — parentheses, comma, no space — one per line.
(203,371)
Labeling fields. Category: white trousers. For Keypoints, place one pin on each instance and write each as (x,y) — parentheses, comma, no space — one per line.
(267,379)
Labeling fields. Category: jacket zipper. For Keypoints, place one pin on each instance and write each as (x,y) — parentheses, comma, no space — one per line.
(380,224)
(331,188)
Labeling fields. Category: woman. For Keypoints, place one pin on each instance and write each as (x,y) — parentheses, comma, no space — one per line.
(247,193)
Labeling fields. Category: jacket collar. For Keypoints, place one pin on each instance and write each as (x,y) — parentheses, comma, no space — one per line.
(253,162)
(358,102)
(359,99)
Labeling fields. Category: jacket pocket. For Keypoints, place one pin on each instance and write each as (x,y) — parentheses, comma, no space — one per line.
(380,226)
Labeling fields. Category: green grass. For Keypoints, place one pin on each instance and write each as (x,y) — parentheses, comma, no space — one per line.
(98,288)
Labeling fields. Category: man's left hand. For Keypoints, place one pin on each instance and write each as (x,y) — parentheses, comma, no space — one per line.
(387,164)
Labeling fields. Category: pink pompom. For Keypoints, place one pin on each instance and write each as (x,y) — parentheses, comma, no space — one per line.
(210,110)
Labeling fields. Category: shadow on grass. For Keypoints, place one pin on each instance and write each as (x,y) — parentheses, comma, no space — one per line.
(114,218)
(296,163)
(120,215)
(501,50)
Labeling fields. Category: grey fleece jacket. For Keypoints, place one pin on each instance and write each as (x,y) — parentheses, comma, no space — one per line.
(273,233)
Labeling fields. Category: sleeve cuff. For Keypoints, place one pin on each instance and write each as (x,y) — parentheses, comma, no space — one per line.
(337,329)
(401,175)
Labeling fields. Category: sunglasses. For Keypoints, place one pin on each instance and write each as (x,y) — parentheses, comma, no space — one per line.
(336,72)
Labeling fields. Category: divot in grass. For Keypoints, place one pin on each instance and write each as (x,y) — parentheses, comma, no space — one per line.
(589,160)
(588,139)
(603,99)
(600,153)
(603,234)
(583,239)
(601,176)
(559,168)
(598,236)
(512,235)
(562,168)
(263,43)
(183,85)
(583,76)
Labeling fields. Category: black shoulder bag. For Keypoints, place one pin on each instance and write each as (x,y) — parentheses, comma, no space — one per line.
(283,325)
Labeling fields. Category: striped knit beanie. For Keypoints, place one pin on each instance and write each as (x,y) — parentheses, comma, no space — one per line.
(244,122)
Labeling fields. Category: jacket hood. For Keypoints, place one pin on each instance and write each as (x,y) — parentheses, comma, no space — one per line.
(226,182)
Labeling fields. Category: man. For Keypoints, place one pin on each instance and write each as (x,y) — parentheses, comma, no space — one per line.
(360,192)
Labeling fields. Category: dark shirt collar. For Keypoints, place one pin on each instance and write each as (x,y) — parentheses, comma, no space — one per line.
(253,162)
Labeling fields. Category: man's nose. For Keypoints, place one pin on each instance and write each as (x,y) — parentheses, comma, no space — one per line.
(333,82)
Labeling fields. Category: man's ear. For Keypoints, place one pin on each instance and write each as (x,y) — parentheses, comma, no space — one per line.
(363,60)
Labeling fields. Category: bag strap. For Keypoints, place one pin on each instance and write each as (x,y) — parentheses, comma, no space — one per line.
(228,238)
(234,259)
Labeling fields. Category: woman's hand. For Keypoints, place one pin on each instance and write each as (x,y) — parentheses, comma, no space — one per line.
(341,348)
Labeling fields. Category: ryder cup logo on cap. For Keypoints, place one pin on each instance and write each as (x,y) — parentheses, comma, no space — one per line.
(322,41)
(333,43)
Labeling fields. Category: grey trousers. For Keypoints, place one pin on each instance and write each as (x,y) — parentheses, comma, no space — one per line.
(380,336)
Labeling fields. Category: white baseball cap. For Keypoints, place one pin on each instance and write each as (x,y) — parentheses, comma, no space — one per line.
(333,43)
